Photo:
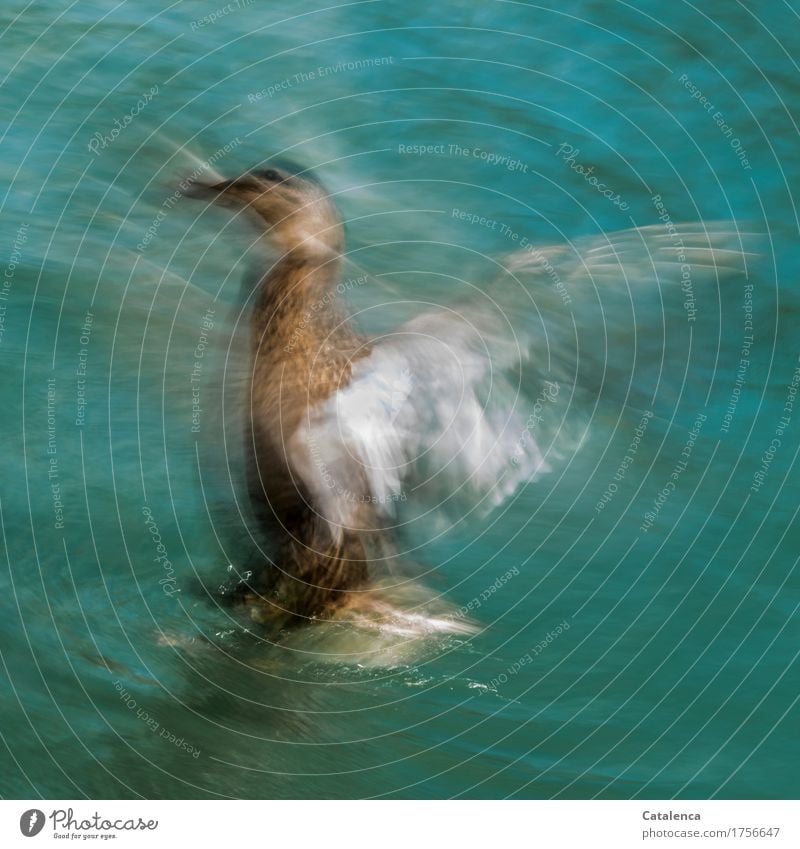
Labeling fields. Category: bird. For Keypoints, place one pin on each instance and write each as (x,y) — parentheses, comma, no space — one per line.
(339,428)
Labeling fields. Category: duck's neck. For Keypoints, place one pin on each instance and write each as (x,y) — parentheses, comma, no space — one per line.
(297,293)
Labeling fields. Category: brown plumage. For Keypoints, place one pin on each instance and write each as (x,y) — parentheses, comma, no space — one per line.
(302,349)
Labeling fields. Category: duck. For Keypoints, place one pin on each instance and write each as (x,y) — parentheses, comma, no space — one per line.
(340,428)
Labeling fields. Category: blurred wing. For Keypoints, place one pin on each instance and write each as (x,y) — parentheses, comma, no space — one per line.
(628,314)
(642,256)
(434,413)
(462,406)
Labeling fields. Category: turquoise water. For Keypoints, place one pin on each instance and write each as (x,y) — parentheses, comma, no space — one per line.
(617,655)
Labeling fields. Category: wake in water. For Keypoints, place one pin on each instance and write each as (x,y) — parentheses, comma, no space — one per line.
(351,441)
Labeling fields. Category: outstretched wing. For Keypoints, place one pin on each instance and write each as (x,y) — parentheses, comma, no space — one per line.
(627,313)
(463,405)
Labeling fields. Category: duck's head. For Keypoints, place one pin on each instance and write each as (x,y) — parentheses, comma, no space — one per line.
(295,213)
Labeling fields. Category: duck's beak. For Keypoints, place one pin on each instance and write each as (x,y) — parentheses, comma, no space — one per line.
(202,190)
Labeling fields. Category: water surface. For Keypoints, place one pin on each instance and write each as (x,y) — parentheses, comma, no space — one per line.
(123,675)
